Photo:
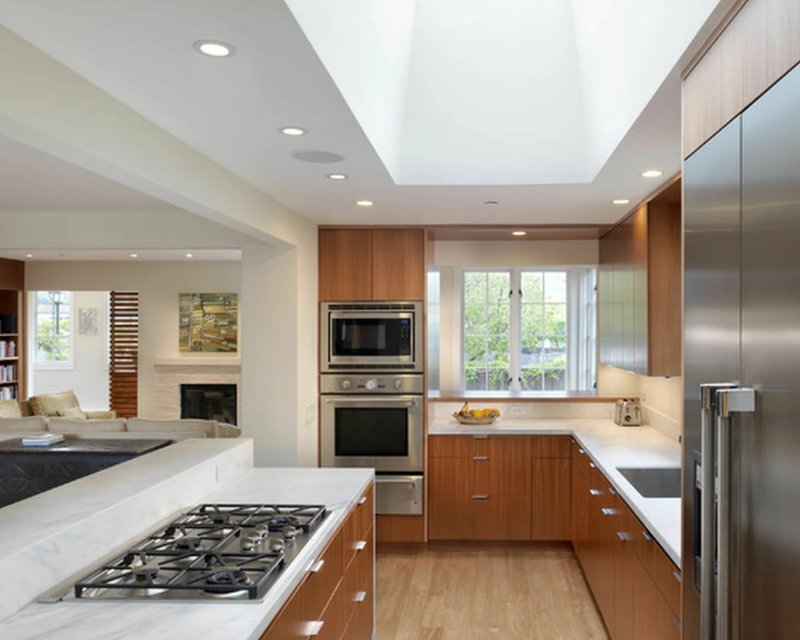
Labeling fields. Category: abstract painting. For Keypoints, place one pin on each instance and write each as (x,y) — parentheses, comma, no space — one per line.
(208,322)
(87,322)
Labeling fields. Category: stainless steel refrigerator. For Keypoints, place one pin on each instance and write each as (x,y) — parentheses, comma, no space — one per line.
(741,542)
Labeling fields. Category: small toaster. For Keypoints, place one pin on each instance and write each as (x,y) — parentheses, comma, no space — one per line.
(628,413)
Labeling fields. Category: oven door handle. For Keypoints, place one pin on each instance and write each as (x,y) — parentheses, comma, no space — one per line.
(388,403)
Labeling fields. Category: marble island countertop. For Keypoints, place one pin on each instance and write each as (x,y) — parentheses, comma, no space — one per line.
(609,446)
(199,472)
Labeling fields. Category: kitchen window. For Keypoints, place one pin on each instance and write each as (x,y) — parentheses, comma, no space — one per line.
(53,336)
(528,329)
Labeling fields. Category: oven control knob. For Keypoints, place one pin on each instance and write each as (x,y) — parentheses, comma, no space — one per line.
(345,384)
(371,384)
(398,384)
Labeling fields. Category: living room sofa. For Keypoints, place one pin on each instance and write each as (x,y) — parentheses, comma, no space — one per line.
(118,428)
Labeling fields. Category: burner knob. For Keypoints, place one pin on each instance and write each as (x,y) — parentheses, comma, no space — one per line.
(345,384)
(276,545)
(289,532)
(371,384)
(398,384)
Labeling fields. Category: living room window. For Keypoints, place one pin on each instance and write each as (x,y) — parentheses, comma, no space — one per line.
(528,329)
(53,330)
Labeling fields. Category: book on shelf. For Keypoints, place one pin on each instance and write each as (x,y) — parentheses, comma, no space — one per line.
(8,349)
(8,393)
(8,373)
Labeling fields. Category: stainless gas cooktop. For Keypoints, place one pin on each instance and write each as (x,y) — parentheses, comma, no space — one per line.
(228,552)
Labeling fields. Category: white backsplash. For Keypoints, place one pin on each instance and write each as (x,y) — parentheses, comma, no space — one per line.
(536,410)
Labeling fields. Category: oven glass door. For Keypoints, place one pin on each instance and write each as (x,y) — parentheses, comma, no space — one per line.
(378,337)
(380,432)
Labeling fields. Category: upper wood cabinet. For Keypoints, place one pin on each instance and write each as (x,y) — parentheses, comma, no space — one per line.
(371,264)
(639,289)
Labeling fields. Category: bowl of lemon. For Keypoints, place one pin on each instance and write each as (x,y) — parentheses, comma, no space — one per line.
(467,415)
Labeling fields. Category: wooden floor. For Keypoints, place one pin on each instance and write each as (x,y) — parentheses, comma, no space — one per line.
(472,591)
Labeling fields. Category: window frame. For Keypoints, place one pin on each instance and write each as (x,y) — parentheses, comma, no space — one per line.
(580,368)
(63,365)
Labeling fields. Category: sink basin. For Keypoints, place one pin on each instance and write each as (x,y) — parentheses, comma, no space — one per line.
(654,482)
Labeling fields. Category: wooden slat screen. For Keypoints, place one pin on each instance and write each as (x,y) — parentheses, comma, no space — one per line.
(123,368)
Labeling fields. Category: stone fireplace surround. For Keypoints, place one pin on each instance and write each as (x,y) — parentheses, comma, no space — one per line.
(171,373)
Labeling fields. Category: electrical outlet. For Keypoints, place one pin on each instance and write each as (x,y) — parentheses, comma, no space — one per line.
(517,411)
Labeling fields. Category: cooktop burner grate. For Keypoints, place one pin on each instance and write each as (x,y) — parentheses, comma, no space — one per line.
(212,551)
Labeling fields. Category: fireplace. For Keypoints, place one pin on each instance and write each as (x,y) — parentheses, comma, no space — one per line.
(209,402)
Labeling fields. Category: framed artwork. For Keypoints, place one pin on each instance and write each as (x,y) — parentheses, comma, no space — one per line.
(208,322)
(87,322)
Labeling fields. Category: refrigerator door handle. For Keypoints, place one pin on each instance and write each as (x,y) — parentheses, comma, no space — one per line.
(729,401)
(708,511)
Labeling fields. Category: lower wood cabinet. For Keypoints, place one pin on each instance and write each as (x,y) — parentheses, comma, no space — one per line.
(634,583)
(335,600)
(499,488)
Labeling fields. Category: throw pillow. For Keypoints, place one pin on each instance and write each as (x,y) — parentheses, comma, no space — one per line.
(72,412)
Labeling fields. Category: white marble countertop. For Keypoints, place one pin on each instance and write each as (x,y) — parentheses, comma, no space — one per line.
(337,489)
(609,447)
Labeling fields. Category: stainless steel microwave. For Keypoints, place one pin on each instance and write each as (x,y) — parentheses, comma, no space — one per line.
(376,336)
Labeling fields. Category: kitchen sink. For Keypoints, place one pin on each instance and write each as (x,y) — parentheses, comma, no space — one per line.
(654,482)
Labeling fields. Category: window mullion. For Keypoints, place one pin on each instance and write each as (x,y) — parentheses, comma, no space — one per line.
(515,339)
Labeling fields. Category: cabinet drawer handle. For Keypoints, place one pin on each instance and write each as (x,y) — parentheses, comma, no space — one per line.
(647,535)
(360,596)
(677,576)
(362,500)
(480,458)
(360,545)
(316,567)
(595,492)
(622,536)
(582,452)
(612,491)
(313,628)
(592,465)
(608,511)
(480,497)
(480,437)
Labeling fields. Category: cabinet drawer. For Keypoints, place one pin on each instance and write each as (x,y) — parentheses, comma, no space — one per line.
(364,513)
(491,446)
(580,460)
(334,618)
(659,567)
(360,623)
(500,518)
(323,577)
(550,447)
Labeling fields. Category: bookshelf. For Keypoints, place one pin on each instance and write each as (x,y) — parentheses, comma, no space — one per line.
(12,329)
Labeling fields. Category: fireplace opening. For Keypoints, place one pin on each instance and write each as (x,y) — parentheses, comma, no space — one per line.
(209,402)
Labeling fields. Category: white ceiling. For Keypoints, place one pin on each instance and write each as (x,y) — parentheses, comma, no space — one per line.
(116,255)
(34,181)
(585,93)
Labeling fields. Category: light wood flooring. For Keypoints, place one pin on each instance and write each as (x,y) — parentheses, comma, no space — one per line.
(477,591)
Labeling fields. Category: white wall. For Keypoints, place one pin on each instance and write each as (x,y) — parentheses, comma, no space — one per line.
(662,398)
(88,375)
(158,284)
(514,253)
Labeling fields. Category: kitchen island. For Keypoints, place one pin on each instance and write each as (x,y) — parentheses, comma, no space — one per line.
(56,537)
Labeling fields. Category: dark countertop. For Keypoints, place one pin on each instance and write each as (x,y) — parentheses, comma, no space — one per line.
(101,446)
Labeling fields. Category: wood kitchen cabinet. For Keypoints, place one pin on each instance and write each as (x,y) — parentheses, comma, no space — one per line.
(499,488)
(371,264)
(634,583)
(334,600)
(639,289)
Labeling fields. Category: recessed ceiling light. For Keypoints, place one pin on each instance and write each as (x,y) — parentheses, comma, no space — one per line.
(364,203)
(28,255)
(214,48)
(621,201)
(519,233)
(189,255)
(337,176)
(293,131)
(134,255)
(491,203)
(652,173)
